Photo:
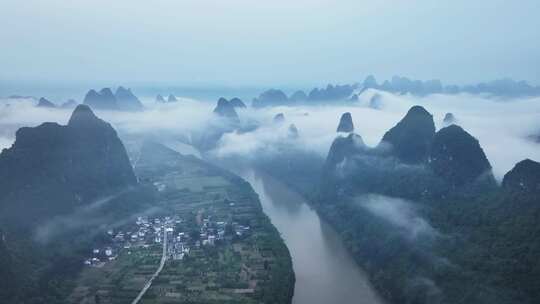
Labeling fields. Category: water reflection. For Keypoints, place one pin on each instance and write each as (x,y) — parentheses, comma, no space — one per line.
(325,271)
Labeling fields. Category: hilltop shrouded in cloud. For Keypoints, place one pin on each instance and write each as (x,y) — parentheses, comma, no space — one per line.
(495,124)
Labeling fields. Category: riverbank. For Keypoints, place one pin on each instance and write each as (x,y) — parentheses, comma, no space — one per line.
(325,270)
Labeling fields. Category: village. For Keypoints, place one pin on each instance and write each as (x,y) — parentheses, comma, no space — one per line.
(146,232)
(205,239)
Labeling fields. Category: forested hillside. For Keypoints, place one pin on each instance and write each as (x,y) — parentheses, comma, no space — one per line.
(423,215)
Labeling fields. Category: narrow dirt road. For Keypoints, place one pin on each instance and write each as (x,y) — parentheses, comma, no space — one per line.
(161,264)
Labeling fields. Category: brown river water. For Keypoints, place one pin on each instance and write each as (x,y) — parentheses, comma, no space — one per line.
(325,271)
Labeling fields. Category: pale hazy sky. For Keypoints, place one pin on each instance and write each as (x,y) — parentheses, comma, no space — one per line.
(268,42)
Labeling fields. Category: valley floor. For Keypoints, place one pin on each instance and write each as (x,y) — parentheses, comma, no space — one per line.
(220,247)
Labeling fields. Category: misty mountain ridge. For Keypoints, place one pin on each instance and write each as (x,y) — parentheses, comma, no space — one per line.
(497,88)
(70,104)
(102,100)
(504,88)
(126,100)
(226,120)
(343,147)
(422,161)
(276,97)
(75,164)
(272,97)
(225,109)
(122,100)
(45,103)
(237,103)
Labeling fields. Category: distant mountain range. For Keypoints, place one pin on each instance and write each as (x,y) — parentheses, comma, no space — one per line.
(274,97)
(122,100)
(45,103)
(171,98)
(506,88)
(502,87)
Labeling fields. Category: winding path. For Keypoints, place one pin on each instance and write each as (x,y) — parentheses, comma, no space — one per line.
(161,264)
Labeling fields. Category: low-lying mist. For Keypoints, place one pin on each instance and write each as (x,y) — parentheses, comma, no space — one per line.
(502,127)
(399,213)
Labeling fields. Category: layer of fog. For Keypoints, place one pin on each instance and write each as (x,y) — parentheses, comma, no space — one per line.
(399,213)
(404,217)
(502,127)
(89,216)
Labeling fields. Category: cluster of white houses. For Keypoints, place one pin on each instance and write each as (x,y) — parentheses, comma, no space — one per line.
(147,232)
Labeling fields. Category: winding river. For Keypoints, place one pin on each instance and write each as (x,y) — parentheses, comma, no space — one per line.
(325,271)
